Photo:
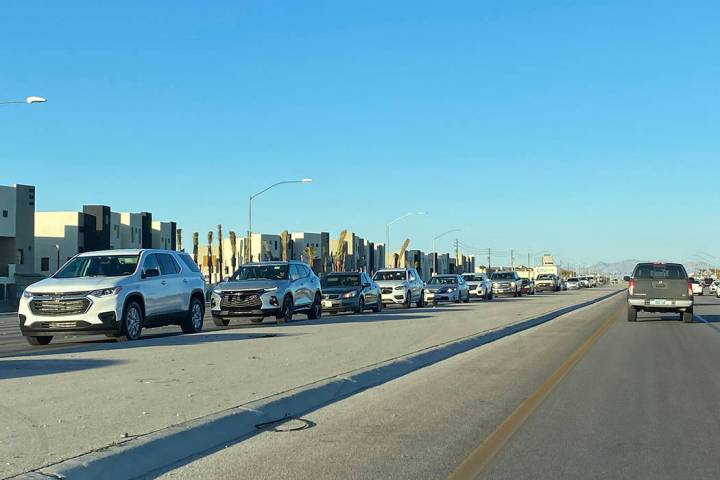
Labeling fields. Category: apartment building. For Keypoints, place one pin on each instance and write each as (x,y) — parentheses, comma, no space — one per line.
(17,241)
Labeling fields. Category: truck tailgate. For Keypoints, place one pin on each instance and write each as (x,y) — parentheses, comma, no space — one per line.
(661,288)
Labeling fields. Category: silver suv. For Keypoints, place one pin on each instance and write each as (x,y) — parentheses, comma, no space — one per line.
(402,286)
(506,283)
(259,290)
(115,292)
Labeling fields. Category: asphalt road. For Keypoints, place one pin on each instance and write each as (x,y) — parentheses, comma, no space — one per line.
(641,403)
(70,399)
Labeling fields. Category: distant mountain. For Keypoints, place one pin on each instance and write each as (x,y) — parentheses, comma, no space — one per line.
(625,267)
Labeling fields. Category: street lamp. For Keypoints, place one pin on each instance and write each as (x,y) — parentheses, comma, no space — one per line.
(304,180)
(57,247)
(435,253)
(387,233)
(29,100)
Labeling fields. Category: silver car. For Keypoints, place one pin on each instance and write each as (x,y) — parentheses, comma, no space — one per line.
(401,286)
(573,283)
(259,290)
(479,284)
(447,288)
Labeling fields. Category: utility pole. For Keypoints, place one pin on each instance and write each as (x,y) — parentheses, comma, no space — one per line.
(528,266)
(512,260)
(489,259)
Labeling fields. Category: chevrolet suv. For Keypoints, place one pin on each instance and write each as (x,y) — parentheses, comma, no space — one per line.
(401,286)
(259,290)
(115,292)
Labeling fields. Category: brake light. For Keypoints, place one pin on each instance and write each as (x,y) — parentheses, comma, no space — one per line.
(631,286)
(690,290)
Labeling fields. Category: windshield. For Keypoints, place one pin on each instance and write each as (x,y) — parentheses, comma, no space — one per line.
(672,272)
(333,281)
(573,279)
(261,272)
(390,275)
(544,276)
(99,266)
(442,281)
(469,277)
(503,276)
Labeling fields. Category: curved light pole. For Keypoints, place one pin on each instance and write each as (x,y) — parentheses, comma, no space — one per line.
(387,233)
(29,100)
(435,253)
(304,180)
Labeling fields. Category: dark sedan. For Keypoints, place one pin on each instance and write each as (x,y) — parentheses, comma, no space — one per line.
(349,292)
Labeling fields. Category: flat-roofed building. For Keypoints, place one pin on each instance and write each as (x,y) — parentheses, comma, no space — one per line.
(17,240)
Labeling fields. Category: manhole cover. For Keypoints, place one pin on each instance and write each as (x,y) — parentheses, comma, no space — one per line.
(289,425)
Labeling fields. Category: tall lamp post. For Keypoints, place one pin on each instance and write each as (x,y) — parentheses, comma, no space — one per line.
(435,249)
(28,100)
(304,180)
(387,233)
(57,247)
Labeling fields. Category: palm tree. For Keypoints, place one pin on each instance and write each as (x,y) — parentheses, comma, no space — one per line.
(221,266)
(178,240)
(309,253)
(284,243)
(233,247)
(209,257)
(195,241)
(340,252)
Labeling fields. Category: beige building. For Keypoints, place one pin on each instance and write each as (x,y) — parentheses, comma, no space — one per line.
(17,241)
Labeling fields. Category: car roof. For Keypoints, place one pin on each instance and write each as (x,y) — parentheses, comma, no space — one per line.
(392,270)
(349,274)
(125,251)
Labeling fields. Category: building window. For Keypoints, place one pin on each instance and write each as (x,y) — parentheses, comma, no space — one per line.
(275,244)
(20,260)
(5,213)
(45,264)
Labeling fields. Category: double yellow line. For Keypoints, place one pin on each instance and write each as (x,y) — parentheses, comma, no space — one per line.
(473,465)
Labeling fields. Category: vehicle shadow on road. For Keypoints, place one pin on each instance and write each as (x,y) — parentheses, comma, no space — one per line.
(386,315)
(159,340)
(32,368)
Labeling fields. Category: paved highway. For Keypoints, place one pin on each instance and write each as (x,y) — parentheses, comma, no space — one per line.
(587,395)
(68,400)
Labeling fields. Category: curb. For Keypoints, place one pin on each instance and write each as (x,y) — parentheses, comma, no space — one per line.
(180,444)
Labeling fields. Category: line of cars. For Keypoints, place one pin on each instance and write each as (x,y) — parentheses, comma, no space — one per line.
(121,292)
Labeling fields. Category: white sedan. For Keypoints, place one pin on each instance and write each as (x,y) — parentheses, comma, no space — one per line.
(714,287)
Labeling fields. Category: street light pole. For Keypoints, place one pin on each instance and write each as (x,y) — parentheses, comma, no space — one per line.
(435,249)
(57,247)
(28,100)
(387,233)
(304,180)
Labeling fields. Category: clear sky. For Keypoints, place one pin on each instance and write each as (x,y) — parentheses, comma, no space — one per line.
(590,129)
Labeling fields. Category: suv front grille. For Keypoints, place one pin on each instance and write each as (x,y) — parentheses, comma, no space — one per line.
(58,307)
(387,290)
(247,299)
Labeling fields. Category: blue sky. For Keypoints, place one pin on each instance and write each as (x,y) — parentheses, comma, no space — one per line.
(589,129)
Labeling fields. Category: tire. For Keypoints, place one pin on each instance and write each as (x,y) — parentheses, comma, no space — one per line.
(632,314)
(286,311)
(518,293)
(421,303)
(408,300)
(132,323)
(193,321)
(221,322)
(361,305)
(38,340)
(378,305)
(315,312)
(467,298)
(687,317)
(257,319)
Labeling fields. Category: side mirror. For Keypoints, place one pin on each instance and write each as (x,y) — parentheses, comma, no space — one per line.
(151,272)
(626,278)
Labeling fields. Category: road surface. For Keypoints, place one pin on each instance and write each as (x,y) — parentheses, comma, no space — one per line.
(641,403)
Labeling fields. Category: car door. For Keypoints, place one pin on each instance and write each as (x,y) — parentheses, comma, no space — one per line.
(174,300)
(369,293)
(297,287)
(152,289)
(415,284)
(308,283)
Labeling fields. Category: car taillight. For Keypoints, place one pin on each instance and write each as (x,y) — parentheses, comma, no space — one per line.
(631,286)
(690,291)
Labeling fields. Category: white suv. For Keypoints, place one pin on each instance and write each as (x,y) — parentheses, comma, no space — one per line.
(115,292)
(402,286)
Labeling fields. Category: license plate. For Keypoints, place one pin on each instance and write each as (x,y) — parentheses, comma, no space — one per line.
(659,302)
(327,303)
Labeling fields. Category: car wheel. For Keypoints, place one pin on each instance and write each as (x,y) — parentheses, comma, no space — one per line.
(220,322)
(467,298)
(256,319)
(408,300)
(315,311)
(193,321)
(286,311)
(361,305)
(38,340)
(687,316)
(421,302)
(132,322)
(378,305)
(632,314)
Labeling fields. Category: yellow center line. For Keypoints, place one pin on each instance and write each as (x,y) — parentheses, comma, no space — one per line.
(474,464)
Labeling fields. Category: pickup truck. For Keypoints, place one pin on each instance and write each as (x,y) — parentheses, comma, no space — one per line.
(547,282)
(660,288)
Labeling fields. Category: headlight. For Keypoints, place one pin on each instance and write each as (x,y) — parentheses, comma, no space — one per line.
(450,290)
(400,287)
(103,292)
(512,284)
(349,294)
(269,290)
(27,294)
